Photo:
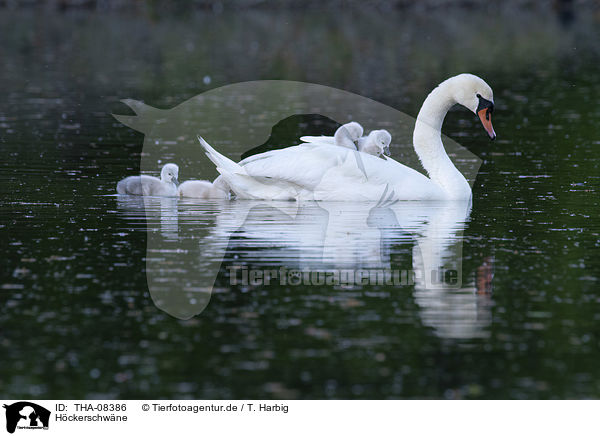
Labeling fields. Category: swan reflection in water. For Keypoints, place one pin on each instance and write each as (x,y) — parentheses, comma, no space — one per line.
(268,243)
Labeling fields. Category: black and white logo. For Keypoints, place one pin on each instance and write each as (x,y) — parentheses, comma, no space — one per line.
(26,415)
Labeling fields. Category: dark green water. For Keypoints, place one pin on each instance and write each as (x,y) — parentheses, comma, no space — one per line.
(77,319)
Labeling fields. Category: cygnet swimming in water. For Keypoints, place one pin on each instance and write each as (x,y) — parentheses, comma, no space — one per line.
(204,189)
(166,186)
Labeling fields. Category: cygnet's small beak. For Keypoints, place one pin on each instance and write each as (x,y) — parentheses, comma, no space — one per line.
(386,150)
(175,181)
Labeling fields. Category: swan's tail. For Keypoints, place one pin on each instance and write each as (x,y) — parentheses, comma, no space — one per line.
(234,177)
(221,162)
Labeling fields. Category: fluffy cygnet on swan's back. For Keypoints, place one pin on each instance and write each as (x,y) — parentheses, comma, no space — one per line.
(376,143)
(345,136)
(350,136)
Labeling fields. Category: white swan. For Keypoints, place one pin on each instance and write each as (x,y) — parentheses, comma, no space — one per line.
(334,173)
(350,136)
(166,186)
(204,189)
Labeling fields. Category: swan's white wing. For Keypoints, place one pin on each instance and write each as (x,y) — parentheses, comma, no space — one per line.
(321,140)
(330,171)
(261,188)
(344,141)
(405,183)
(302,165)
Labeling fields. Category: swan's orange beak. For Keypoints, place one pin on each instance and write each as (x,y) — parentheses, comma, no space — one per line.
(485,115)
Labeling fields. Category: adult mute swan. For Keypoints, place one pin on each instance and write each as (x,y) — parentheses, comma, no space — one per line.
(166,186)
(333,173)
(350,136)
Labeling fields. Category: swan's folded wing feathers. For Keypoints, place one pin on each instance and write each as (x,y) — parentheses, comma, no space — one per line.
(294,165)
(331,173)
(322,140)
(259,188)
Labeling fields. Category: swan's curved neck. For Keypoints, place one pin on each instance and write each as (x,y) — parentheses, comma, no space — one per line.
(427,142)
